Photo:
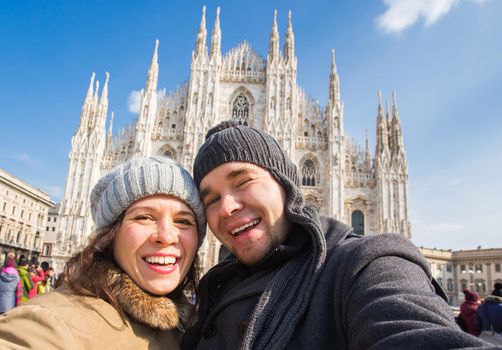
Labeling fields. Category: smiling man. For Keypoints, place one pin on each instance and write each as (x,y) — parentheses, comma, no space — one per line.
(296,280)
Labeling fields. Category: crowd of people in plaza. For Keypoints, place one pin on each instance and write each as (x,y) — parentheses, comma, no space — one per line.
(21,280)
(482,319)
(293,279)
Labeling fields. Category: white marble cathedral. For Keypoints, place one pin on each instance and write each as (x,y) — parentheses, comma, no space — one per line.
(338,176)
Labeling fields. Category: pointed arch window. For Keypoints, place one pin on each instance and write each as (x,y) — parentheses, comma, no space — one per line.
(240,110)
(168,154)
(358,222)
(308,173)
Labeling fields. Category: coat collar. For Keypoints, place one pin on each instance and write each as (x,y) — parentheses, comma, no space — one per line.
(158,312)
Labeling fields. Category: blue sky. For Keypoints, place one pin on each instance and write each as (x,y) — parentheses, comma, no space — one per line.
(442,57)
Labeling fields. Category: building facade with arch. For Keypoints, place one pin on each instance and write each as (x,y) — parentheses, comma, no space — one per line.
(338,176)
(473,269)
(23,217)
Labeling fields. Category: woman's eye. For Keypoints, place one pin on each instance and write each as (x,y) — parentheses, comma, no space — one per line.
(186,222)
(143,217)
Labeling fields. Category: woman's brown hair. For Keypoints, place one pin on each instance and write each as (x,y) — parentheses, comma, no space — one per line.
(87,272)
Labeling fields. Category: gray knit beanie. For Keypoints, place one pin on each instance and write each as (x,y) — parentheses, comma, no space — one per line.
(285,299)
(139,178)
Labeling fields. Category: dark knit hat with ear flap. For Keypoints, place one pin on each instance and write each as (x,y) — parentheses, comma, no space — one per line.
(295,281)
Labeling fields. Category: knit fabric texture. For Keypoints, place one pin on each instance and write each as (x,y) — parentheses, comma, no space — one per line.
(287,296)
(10,262)
(141,177)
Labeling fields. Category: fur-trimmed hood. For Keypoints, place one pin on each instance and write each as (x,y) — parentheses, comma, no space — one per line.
(494,299)
(158,312)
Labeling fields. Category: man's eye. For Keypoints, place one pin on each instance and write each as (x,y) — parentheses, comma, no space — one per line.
(210,201)
(243,181)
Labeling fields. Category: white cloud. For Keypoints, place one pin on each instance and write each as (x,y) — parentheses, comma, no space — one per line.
(134,101)
(402,14)
(26,158)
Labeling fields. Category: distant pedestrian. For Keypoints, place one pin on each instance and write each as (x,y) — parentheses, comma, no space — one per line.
(10,285)
(497,291)
(467,314)
(26,281)
(489,319)
(38,277)
(50,279)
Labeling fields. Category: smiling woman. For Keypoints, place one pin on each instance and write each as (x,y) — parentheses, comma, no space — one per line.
(127,287)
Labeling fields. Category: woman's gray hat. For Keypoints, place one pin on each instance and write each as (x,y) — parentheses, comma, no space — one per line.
(139,178)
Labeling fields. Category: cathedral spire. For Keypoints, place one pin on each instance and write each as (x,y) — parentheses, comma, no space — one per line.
(367,157)
(380,109)
(334,83)
(200,46)
(289,45)
(95,97)
(110,127)
(273,50)
(153,71)
(216,36)
(396,127)
(102,109)
(382,129)
(88,103)
(387,115)
(395,112)
(88,97)
(104,94)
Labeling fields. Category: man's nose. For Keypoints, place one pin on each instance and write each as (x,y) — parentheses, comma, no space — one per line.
(229,205)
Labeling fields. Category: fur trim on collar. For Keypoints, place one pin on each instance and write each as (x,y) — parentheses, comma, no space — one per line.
(493,299)
(154,311)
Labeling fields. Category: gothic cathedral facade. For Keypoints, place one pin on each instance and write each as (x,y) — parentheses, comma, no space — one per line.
(341,178)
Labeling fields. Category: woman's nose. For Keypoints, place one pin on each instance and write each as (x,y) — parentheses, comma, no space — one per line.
(166,232)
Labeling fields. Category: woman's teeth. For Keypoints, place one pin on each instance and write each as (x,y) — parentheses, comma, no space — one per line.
(161,260)
(243,227)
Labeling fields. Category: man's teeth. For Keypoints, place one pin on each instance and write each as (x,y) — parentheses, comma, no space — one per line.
(161,260)
(243,227)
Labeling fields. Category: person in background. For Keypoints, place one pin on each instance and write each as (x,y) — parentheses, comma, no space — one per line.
(50,279)
(38,277)
(467,316)
(10,285)
(127,288)
(497,290)
(489,320)
(26,282)
(296,280)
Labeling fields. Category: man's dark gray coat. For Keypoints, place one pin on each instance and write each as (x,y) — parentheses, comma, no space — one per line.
(374,292)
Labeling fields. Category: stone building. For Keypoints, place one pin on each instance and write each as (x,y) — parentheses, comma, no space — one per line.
(50,237)
(477,270)
(365,188)
(23,215)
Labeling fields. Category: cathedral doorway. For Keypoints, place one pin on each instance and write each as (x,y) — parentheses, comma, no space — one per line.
(358,222)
